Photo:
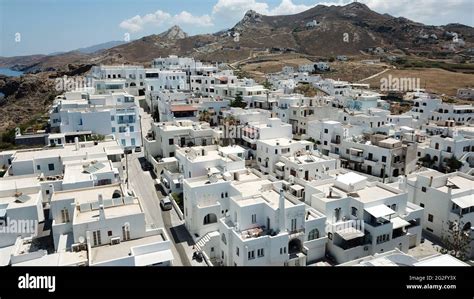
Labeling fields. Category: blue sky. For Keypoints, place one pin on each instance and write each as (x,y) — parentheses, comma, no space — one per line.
(46,26)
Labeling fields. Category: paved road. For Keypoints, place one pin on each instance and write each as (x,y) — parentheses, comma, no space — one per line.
(143,184)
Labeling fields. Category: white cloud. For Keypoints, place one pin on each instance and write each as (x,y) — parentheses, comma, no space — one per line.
(228,12)
(160,18)
(237,8)
(287,7)
(187,18)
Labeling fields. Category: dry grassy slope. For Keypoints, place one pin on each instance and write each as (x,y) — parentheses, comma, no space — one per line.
(434,80)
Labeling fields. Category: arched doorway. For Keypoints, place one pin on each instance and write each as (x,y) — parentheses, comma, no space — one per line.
(295,246)
(117,194)
(210,218)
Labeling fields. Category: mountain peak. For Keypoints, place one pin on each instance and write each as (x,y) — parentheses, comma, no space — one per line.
(174,32)
(356,6)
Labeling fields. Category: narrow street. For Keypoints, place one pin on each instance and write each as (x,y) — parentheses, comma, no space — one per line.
(144,185)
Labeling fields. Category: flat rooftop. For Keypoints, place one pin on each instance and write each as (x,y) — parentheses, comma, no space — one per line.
(110,252)
(77,172)
(365,195)
(88,195)
(119,210)
(69,150)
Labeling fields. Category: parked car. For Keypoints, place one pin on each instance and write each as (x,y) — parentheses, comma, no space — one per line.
(138,149)
(165,204)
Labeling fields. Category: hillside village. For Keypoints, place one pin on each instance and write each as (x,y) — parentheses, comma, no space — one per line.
(188,163)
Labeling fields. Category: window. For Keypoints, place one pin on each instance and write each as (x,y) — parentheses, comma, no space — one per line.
(223,239)
(237,251)
(293,224)
(423,189)
(429,229)
(96,238)
(132,129)
(38,167)
(354,211)
(254,218)
(109,233)
(326,131)
(112,117)
(125,233)
(260,252)
(422,205)
(51,167)
(383,238)
(251,255)
(65,215)
(113,129)
(133,141)
(171,141)
(384,159)
(313,234)
(430,218)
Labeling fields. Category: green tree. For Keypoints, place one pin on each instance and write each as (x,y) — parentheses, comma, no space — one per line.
(238,102)
(453,164)
(457,239)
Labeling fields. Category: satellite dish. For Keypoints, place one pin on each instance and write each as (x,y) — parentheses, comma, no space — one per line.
(81,239)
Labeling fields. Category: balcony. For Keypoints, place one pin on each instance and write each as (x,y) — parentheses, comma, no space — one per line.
(357,158)
(378,222)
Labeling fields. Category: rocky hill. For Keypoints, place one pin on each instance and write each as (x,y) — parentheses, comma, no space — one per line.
(319,31)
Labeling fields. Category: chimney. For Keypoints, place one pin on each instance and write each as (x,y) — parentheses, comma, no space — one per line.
(281,211)
(76,142)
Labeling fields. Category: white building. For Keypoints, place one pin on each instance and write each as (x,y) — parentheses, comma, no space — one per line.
(397,258)
(109,223)
(111,114)
(244,219)
(21,208)
(446,198)
(133,77)
(364,218)
(269,152)
(168,137)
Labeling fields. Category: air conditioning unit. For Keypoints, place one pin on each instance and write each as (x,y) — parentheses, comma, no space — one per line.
(115,241)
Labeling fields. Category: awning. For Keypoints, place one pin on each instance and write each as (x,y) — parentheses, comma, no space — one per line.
(297,187)
(279,164)
(213,170)
(183,108)
(350,233)
(379,211)
(465,201)
(399,222)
